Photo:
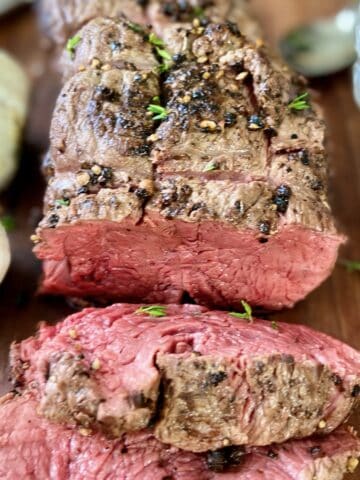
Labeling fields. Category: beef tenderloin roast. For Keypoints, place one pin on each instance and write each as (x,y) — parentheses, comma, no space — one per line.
(225,199)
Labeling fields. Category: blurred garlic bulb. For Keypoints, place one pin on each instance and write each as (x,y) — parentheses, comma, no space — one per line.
(4,253)
(14,91)
(6,5)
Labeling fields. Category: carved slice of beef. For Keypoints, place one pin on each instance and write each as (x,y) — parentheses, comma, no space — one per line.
(202,380)
(30,447)
(225,199)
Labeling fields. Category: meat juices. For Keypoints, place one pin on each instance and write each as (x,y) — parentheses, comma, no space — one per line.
(201,379)
(225,200)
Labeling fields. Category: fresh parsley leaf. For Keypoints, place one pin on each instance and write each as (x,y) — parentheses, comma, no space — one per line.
(159,112)
(156,100)
(63,202)
(72,43)
(211,166)
(152,311)
(300,103)
(247,313)
(155,40)
(351,266)
(135,27)
(8,222)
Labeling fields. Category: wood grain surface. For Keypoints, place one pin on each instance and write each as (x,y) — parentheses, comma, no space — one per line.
(334,308)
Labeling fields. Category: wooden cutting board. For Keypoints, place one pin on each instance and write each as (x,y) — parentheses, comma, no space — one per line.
(334,308)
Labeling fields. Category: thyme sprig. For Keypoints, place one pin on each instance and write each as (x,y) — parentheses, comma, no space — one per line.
(152,311)
(135,27)
(155,40)
(62,202)
(158,112)
(211,166)
(300,102)
(71,45)
(274,325)
(247,315)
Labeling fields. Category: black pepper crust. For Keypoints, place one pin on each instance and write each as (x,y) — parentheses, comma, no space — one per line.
(227,120)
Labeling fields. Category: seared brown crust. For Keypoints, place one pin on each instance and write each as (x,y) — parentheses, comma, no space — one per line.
(100,117)
(104,42)
(243,204)
(114,204)
(61,19)
(200,408)
(70,394)
(230,149)
(180,14)
(100,128)
(207,128)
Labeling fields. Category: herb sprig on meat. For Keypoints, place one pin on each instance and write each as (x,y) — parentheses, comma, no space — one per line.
(300,102)
(152,311)
(247,315)
(72,43)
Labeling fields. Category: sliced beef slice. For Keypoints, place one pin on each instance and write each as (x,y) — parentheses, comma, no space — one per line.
(32,448)
(203,380)
(225,200)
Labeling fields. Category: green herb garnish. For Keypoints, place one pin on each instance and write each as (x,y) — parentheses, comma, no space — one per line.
(156,100)
(153,311)
(8,222)
(155,40)
(72,43)
(351,266)
(63,202)
(210,167)
(274,325)
(135,27)
(165,67)
(159,45)
(167,60)
(163,53)
(246,315)
(300,103)
(159,112)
